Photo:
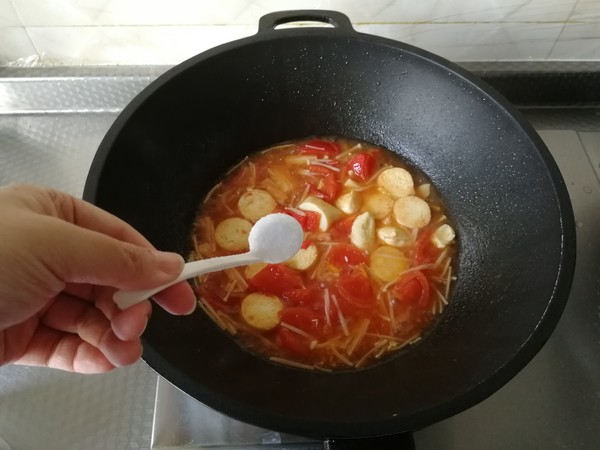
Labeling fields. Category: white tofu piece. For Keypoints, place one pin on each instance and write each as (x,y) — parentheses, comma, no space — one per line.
(387,263)
(397,182)
(379,204)
(412,212)
(394,236)
(423,190)
(328,212)
(232,234)
(256,203)
(443,236)
(304,259)
(350,183)
(362,233)
(350,202)
(261,311)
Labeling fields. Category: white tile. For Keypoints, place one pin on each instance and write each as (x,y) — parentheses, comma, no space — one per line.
(129,45)
(578,41)
(586,11)
(154,12)
(16,48)
(59,12)
(8,14)
(454,11)
(475,42)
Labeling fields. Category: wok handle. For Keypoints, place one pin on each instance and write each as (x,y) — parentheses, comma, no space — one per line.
(337,19)
(404,441)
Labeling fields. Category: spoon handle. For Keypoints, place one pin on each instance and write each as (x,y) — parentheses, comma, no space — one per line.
(124,299)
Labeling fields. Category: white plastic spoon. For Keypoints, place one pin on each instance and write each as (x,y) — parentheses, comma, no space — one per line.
(273,239)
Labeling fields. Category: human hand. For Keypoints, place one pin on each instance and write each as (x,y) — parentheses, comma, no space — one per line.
(61,260)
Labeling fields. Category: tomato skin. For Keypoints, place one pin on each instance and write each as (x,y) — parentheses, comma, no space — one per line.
(424,251)
(343,255)
(355,290)
(413,289)
(329,186)
(276,279)
(309,221)
(318,147)
(341,228)
(306,297)
(293,342)
(304,319)
(313,219)
(361,166)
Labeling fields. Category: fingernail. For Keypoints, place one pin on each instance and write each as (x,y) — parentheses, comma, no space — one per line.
(169,262)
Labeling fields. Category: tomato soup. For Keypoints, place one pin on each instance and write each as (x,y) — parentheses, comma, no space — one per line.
(374,270)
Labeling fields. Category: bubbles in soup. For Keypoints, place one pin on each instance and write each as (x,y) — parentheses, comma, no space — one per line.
(374,270)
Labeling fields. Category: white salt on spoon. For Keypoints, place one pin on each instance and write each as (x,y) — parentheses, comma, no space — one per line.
(273,239)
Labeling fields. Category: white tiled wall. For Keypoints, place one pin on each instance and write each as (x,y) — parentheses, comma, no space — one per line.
(166,32)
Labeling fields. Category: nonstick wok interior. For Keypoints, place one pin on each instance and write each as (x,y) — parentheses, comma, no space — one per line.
(500,186)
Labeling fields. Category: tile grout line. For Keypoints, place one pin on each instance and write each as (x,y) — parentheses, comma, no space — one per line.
(563,28)
(37,51)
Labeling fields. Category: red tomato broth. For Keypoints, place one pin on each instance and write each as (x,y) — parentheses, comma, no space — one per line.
(340,312)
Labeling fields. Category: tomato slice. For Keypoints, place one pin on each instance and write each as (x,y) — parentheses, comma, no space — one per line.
(302,297)
(318,147)
(313,219)
(329,186)
(342,255)
(341,228)
(361,166)
(309,220)
(413,289)
(276,279)
(355,290)
(304,319)
(424,251)
(293,342)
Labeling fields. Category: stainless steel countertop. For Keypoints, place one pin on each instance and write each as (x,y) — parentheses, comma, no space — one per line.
(50,126)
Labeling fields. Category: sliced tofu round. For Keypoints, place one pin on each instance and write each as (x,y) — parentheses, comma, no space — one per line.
(328,213)
(350,202)
(252,269)
(379,204)
(387,263)
(232,234)
(304,259)
(394,236)
(443,236)
(396,181)
(412,212)
(362,233)
(256,203)
(261,311)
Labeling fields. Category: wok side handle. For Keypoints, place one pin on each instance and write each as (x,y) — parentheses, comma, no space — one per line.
(404,441)
(337,19)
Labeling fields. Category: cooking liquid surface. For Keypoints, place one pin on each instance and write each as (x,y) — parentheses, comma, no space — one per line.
(374,271)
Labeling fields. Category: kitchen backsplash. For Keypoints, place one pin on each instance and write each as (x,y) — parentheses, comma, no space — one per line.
(76,32)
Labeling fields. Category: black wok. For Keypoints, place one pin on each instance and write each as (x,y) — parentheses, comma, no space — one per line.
(516,239)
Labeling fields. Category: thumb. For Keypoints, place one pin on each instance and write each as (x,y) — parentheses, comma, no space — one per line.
(79,255)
